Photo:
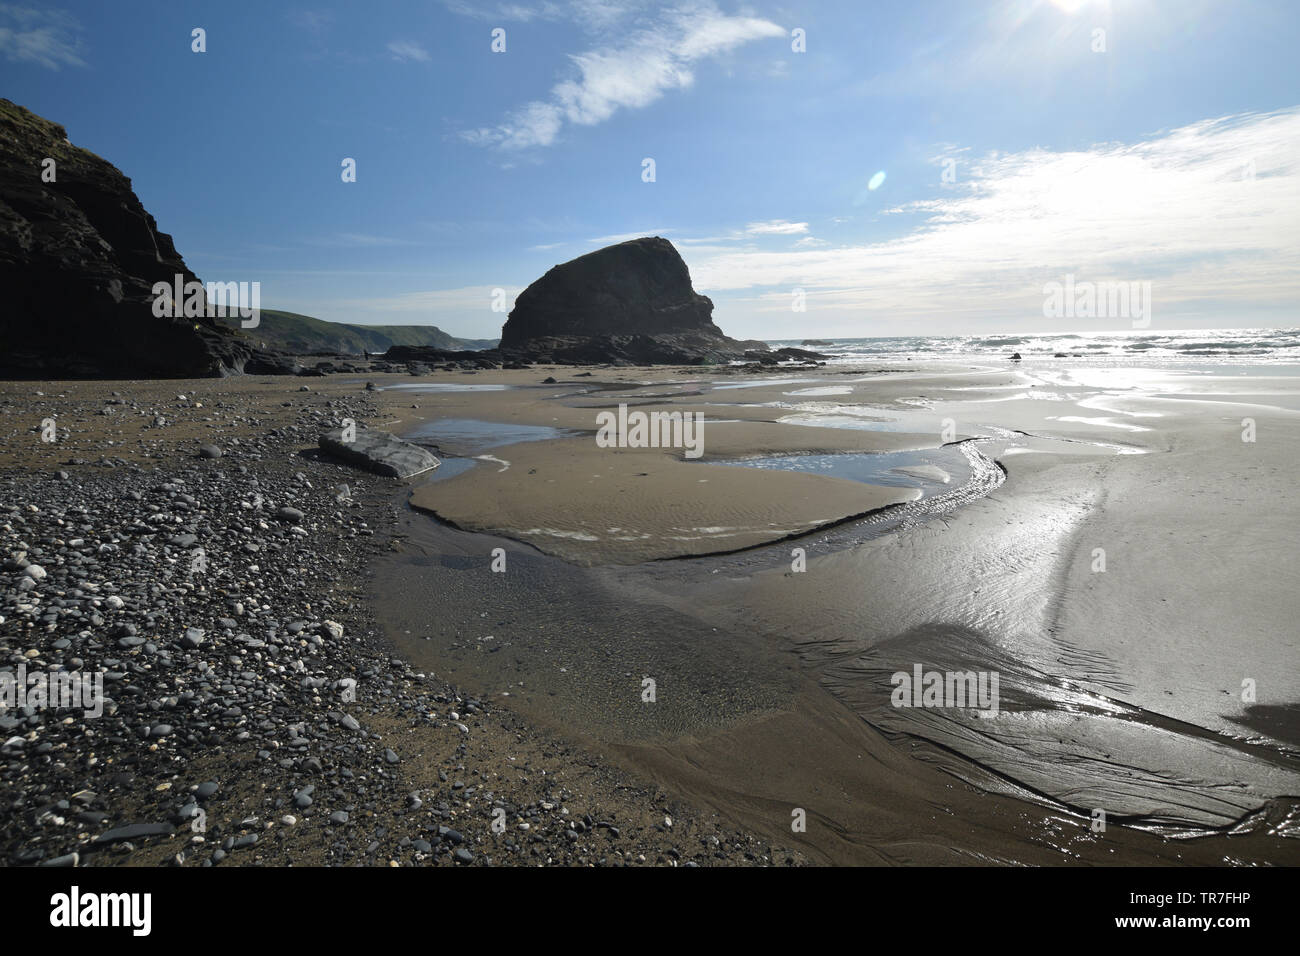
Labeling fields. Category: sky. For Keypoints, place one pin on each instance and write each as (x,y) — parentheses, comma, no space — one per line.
(825,169)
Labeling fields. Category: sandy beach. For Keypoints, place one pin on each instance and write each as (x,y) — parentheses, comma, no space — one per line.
(721,640)
(1126,575)
(641,435)
(185,543)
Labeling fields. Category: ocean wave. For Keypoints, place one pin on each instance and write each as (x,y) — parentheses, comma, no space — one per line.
(1252,344)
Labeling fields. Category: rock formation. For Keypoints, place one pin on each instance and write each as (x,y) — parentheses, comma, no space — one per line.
(79,256)
(629,303)
(378,451)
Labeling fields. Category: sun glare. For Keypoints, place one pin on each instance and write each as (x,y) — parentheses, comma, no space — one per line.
(1070,6)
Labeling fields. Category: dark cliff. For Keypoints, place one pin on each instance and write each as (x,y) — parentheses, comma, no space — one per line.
(78,260)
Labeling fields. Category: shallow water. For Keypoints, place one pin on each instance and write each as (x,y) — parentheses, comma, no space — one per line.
(475,435)
(1055,739)
(874,468)
(758,382)
(421,387)
(916,421)
(450,468)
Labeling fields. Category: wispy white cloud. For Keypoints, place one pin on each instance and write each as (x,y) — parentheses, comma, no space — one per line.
(505,12)
(353,240)
(1205,212)
(770,228)
(313,21)
(48,38)
(625,236)
(593,14)
(776,227)
(407,50)
(632,69)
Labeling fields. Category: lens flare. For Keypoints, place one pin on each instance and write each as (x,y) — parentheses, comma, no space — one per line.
(876,181)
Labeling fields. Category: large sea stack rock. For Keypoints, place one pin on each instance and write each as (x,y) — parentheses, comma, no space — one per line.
(79,256)
(629,303)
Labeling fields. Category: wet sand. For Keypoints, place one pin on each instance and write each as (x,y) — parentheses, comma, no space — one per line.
(1121,689)
(593,505)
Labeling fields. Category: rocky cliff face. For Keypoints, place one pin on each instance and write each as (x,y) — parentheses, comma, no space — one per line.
(631,302)
(78,260)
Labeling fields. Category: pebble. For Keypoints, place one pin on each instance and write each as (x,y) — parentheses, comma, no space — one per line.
(135,831)
(235,669)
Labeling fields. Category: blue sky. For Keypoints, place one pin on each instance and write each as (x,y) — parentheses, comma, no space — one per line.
(1163,149)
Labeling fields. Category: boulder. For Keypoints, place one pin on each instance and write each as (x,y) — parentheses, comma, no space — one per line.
(380,452)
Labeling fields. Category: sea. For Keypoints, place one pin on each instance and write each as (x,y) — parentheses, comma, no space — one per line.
(1238,346)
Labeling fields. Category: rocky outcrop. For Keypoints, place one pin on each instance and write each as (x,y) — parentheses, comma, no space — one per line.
(630,303)
(379,452)
(78,259)
(785,355)
(788,354)
(272,363)
(423,355)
